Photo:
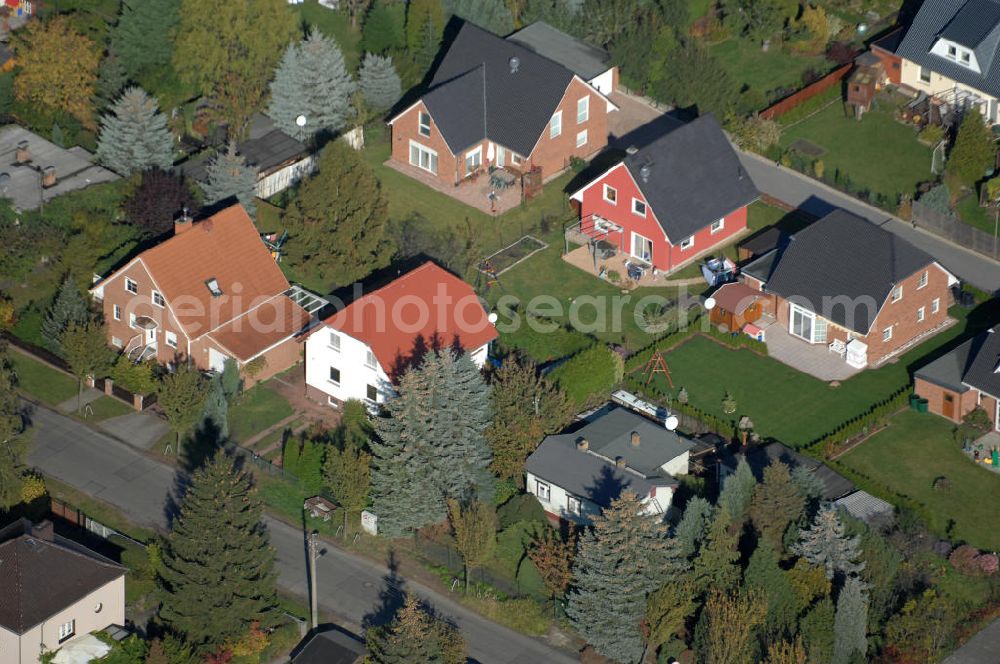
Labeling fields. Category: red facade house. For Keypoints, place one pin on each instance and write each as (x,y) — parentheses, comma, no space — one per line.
(678,198)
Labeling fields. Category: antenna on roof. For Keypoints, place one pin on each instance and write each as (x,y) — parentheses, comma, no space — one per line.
(514,62)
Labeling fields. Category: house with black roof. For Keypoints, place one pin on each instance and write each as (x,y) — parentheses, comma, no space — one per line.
(952,51)
(846,283)
(590,63)
(497,103)
(575,474)
(672,201)
(963,379)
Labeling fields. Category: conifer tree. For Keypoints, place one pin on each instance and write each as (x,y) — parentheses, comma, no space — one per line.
(737,491)
(424,21)
(716,566)
(134,135)
(667,609)
(217,575)
(764,573)
(229,175)
(355,427)
(728,625)
(69,307)
(625,557)
(776,504)
(111,81)
(216,413)
(142,36)
(312,81)
(379,82)
(850,624)
(825,544)
(12,445)
(974,151)
(492,15)
(415,636)
(526,408)
(693,526)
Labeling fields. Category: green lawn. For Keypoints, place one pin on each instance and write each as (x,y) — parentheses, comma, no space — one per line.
(878,153)
(761,70)
(42,382)
(908,456)
(105,408)
(259,408)
(334,24)
(784,403)
(978,217)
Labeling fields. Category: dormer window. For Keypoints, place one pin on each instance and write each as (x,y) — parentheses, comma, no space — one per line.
(965,57)
(952,52)
(213,287)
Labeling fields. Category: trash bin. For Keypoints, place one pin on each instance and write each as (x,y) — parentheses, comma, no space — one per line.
(914,401)
(922,405)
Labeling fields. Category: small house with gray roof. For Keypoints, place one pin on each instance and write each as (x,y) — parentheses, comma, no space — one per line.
(577,473)
(963,379)
(952,51)
(495,103)
(845,283)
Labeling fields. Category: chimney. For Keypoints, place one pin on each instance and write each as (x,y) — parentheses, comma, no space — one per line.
(644,172)
(620,463)
(183,222)
(49,178)
(23,154)
(631,150)
(583,445)
(44,531)
(635,439)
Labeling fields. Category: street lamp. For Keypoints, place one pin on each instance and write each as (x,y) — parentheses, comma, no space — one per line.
(300,122)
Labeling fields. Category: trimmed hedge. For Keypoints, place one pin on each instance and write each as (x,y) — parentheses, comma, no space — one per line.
(588,374)
(876,416)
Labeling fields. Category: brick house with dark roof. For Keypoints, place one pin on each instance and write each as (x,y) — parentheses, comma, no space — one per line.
(211,292)
(671,201)
(494,102)
(963,379)
(843,278)
(52,590)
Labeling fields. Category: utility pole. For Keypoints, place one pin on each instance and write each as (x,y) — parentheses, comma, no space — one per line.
(313,600)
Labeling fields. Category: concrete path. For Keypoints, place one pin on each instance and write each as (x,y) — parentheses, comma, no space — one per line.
(817,198)
(71,405)
(980,649)
(351,587)
(141,429)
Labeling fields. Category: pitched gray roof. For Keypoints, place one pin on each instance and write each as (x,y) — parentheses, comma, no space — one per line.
(837,260)
(581,58)
(475,95)
(265,148)
(982,363)
(331,647)
(834,484)
(971,23)
(693,177)
(593,474)
(949,369)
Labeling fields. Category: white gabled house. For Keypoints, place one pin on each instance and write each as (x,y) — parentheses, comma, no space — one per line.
(358,352)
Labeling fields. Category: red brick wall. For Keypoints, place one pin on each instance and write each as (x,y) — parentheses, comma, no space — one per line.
(902,315)
(406,127)
(963,403)
(553,154)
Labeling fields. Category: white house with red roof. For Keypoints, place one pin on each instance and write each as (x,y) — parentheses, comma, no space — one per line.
(358,352)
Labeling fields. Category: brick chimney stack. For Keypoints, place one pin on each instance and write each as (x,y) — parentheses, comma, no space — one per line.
(620,463)
(49,178)
(23,154)
(583,445)
(183,222)
(44,530)
(635,439)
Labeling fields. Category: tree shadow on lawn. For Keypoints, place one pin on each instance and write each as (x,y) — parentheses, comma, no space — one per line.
(197,450)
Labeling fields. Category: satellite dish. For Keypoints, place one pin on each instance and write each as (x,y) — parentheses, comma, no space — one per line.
(493,318)
(300,121)
(671,422)
(709,303)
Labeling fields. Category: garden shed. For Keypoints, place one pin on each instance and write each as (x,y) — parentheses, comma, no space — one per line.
(867,78)
(736,304)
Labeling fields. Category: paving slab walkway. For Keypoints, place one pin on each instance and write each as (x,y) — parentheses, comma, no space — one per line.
(142,429)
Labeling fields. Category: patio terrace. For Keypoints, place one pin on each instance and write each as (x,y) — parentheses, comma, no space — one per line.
(475,193)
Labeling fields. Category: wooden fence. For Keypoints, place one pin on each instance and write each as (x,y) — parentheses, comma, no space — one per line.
(805,94)
(953,229)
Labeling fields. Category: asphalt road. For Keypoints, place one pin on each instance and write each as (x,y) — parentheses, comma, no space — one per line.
(814,197)
(351,587)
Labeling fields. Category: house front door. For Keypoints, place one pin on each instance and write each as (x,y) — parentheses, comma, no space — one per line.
(149,336)
(501,157)
(948,406)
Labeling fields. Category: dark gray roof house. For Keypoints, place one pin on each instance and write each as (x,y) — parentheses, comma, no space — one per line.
(330,647)
(586,61)
(839,258)
(971,365)
(958,39)
(617,451)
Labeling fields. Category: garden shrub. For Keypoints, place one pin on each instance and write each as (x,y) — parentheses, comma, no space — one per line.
(503,490)
(136,378)
(589,375)
(989,563)
(965,560)
(522,507)
(938,199)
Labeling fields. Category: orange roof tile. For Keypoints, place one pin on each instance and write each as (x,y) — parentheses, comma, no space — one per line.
(263,327)
(427,307)
(225,247)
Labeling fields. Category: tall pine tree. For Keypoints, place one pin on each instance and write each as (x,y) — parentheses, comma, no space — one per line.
(717,565)
(415,636)
(625,557)
(826,545)
(764,574)
(850,624)
(379,82)
(134,135)
(228,176)
(776,504)
(68,308)
(693,526)
(217,575)
(312,80)
(737,491)
(142,37)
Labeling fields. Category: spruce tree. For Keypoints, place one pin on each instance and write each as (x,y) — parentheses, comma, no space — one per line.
(625,557)
(415,636)
(379,82)
(217,574)
(693,526)
(776,504)
(764,573)
(492,15)
(737,490)
(850,624)
(381,30)
(974,151)
(312,80)
(717,565)
(216,414)
(111,80)
(228,176)
(134,135)
(142,36)
(69,307)
(825,544)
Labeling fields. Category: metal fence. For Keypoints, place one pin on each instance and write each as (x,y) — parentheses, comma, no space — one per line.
(947,226)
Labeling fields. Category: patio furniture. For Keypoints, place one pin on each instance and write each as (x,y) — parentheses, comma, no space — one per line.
(635,271)
(605,249)
(501,178)
(857,354)
(839,347)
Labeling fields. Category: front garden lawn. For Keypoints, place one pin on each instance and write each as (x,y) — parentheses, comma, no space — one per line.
(765,71)
(784,403)
(915,450)
(258,408)
(877,154)
(105,408)
(985,219)
(42,382)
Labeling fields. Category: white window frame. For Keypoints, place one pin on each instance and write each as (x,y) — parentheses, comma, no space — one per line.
(897,293)
(952,51)
(432,157)
(638,207)
(574,505)
(887,334)
(170,339)
(935,305)
(555,124)
(333,341)
(717,226)
(473,160)
(686,243)
(67,630)
(921,315)
(922,281)
(638,239)
(516,159)
(329,376)
(924,74)
(116,312)
(131,286)
(613,198)
(370,361)
(131,320)
(543,490)
(424,128)
(116,342)
(582,109)
(157,295)
(581,138)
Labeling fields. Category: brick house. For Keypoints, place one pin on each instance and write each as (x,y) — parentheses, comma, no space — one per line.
(672,201)
(209,293)
(359,351)
(963,379)
(843,279)
(494,102)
